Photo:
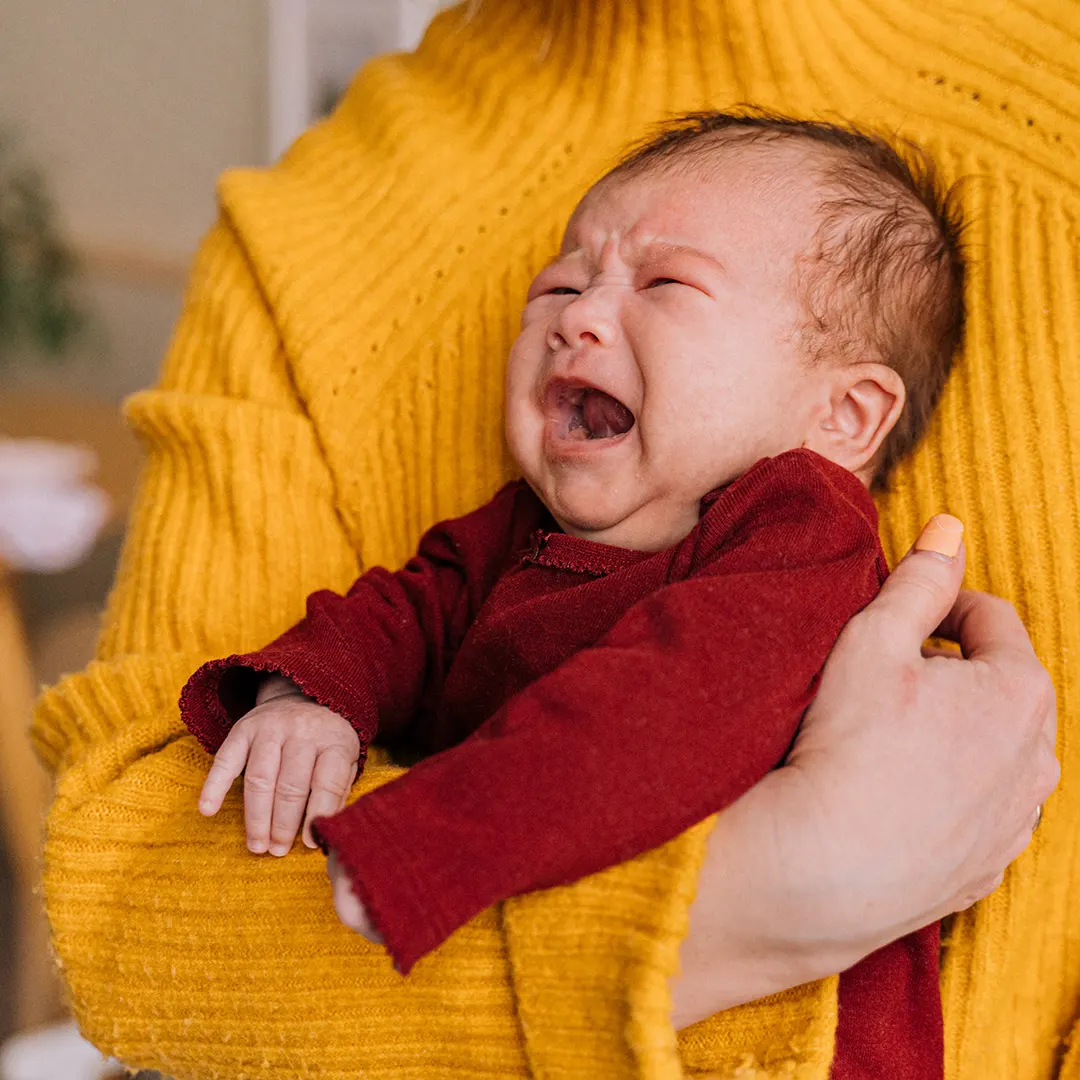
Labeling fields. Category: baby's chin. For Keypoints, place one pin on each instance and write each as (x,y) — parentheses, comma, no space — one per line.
(580,515)
(649,526)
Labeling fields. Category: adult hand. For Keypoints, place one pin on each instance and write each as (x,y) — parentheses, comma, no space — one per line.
(912,784)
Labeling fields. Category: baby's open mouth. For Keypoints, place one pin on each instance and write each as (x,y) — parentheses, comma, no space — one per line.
(583,412)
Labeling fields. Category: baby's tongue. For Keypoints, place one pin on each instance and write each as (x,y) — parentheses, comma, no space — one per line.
(604,416)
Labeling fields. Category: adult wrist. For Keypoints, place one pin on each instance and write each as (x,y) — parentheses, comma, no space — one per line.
(766,916)
(815,895)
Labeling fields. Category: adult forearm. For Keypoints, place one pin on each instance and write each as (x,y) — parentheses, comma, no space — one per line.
(759,923)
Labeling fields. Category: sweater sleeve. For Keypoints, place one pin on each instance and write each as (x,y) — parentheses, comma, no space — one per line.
(378,654)
(150,904)
(234,522)
(705,680)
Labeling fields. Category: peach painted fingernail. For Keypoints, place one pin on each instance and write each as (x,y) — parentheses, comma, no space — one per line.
(942,534)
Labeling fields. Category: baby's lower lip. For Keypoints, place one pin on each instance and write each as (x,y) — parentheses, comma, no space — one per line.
(559,446)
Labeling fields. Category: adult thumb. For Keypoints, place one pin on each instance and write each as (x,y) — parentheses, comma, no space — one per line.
(922,589)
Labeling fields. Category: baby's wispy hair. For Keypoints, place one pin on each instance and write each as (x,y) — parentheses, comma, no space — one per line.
(884,277)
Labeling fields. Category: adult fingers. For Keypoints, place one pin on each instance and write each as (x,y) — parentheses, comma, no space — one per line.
(995,875)
(989,629)
(260,778)
(984,625)
(923,587)
(291,793)
(228,765)
(334,774)
(1050,722)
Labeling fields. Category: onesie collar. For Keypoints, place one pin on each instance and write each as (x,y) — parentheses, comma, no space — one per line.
(718,510)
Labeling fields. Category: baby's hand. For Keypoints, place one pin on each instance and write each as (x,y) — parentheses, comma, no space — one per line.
(350,911)
(294,754)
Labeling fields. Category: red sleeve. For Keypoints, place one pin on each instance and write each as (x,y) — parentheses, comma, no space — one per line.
(376,654)
(690,699)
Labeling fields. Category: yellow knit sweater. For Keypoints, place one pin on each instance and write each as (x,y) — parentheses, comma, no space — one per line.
(335,386)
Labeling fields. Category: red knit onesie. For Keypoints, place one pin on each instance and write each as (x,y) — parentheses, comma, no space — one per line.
(580,703)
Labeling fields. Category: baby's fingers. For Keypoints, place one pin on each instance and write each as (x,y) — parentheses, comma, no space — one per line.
(334,774)
(260,779)
(291,794)
(228,765)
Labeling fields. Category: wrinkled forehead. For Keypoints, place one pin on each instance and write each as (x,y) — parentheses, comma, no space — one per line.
(762,198)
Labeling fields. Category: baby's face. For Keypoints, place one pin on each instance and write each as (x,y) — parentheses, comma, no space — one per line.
(656,359)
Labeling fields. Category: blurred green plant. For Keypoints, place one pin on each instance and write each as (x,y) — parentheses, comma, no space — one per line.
(39,310)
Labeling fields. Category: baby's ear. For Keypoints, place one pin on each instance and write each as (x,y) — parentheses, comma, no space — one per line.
(865,401)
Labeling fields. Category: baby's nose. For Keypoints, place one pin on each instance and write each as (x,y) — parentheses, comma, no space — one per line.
(559,339)
(581,324)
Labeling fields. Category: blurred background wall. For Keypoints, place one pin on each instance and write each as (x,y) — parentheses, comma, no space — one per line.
(130,109)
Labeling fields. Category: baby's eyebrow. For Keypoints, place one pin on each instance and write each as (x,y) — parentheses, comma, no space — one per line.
(663,247)
(652,248)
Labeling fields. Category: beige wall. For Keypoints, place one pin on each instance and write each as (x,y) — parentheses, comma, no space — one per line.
(133,107)
(136,106)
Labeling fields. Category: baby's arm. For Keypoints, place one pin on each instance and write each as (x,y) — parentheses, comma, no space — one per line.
(298,715)
(685,704)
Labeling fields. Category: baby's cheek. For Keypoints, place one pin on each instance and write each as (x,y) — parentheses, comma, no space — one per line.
(533,312)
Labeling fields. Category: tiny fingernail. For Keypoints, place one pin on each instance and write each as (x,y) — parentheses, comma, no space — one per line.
(942,534)
(256,847)
(279,850)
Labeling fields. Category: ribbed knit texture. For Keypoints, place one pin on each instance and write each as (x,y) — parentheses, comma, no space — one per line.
(335,386)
